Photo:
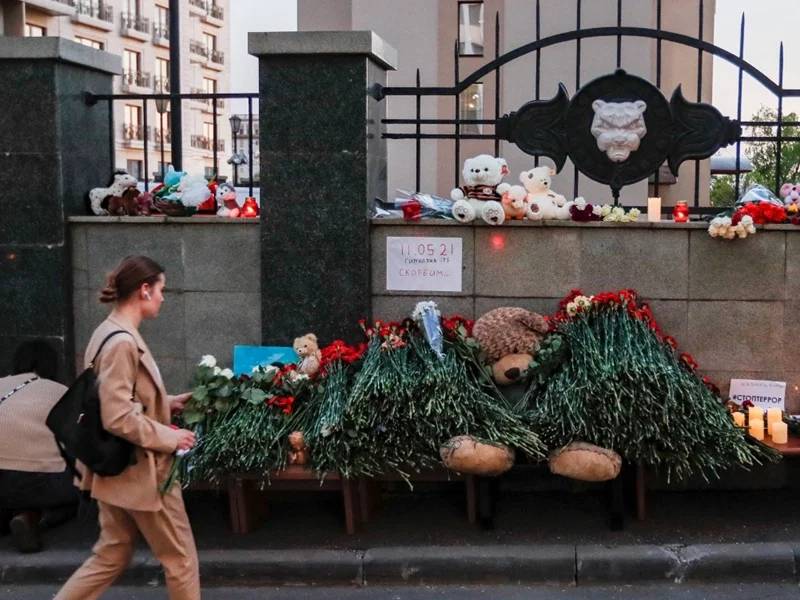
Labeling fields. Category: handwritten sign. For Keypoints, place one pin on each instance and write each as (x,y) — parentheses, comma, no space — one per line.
(766,394)
(423,264)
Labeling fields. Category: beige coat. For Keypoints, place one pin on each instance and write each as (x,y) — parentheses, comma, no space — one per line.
(143,420)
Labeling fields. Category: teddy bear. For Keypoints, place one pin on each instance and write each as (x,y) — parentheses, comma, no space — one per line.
(790,192)
(510,338)
(543,203)
(514,201)
(307,349)
(298,450)
(99,198)
(226,200)
(478,197)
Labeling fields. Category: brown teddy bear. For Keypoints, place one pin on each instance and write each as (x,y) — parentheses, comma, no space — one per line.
(298,450)
(510,337)
(307,349)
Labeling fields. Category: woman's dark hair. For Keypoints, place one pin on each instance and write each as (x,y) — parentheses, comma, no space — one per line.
(129,276)
(37,356)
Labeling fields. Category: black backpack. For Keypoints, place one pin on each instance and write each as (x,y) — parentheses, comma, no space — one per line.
(76,424)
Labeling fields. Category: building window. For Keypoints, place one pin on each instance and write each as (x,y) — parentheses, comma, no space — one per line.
(34,30)
(209,85)
(162,75)
(209,173)
(210,42)
(87,42)
(208,131)
(132,7)
(470,106)
(162,16)
(135,168)
(132,123)
(131,61)
(470,28)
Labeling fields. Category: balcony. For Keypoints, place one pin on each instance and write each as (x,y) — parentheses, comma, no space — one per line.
(198,52)
(93,14)
(54,7)
(157,136)
(214,15)
(135,26)
(203,142)
(216,59)
(160,84)
(161,35)
(133,135)
(197,7)
(136,82)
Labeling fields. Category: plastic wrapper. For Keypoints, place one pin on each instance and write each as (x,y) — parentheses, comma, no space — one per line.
(758,193)
(427,316)
(413,206)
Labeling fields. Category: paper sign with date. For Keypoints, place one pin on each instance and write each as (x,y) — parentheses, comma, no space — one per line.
(423,264)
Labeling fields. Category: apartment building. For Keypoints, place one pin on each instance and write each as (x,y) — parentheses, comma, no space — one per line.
(138,31)
(427,32)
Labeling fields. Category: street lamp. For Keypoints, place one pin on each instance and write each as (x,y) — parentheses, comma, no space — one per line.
(161,107)
(236,123)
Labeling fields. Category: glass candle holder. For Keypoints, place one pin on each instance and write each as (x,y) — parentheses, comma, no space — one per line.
(680,212)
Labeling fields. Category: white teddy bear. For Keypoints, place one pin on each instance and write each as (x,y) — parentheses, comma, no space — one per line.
(479,195)
(542,202)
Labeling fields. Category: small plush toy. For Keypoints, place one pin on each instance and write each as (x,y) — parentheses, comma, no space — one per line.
(100,197)
(542,202)
(145,200)
(790,192)
(510,337)
(478,197)
(226,201)
(307,349)
(193,190)
(299,453)
(514,201)
(126,205)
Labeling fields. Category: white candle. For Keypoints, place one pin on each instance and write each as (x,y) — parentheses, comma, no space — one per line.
(738,418)
(654,209)
(780,432)
(757,428)
(755,412)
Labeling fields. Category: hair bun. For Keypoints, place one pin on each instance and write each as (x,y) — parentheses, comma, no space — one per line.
(109,293)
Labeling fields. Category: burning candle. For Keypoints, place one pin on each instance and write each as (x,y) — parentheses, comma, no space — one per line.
(680,212)
(755,412)
(250,208)
(738,418)
(773,415)
(654,210)
(757,428)
(780,432)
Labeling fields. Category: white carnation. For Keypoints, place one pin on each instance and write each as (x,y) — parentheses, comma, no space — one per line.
(208,361)
(227,373)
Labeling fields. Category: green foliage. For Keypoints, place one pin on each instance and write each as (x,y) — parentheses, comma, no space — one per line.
(622,388)
(764,155)
(723,191)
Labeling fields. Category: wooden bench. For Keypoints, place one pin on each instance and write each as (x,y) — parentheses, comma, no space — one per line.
(248,506)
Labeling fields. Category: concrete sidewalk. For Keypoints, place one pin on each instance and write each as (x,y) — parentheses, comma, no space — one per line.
(423,537)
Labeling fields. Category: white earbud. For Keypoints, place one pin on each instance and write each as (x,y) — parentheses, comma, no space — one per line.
(147,295)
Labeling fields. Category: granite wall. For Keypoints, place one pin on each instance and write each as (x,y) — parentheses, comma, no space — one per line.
(213,290)
(733,305)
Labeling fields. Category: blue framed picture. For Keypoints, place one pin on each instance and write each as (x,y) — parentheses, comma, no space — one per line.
(246,358)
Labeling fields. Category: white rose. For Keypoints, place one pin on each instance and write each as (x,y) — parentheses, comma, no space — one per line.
(227,373)
(208,361)
(634,213)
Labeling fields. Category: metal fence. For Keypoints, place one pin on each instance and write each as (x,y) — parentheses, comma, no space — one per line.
(620,32)
(144,133)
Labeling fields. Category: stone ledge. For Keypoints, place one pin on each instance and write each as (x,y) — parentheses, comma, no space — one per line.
(367,43)
(590,225)
(60,49)
(161,219)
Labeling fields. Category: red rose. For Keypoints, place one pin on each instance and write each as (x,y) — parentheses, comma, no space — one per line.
(412,211)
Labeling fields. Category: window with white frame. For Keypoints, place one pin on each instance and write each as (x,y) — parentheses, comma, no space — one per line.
(162,75)
(470,106)
(34,30)
(162,17)
(131,61)
(135,168)
(210,42)
(89,42)
(470,28)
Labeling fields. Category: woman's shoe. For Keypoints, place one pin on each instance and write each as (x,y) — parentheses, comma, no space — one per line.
(25,532)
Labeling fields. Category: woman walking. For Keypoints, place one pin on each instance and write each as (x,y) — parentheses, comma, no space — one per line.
(136,407)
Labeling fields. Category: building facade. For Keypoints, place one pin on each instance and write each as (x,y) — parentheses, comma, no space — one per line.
(425,33)
(138,31)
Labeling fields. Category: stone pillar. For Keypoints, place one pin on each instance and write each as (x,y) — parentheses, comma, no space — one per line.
(322,162)
(53,149)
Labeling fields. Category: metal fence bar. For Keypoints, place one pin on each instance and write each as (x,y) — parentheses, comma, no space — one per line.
(250,145)
(657,178)
(214,136)
(497,78)
(537,90)
(739,106)
(619,36)
(418,145)
(457,136)
(700,10)
(576,173)
(146,162)
(112,150)
(779,132)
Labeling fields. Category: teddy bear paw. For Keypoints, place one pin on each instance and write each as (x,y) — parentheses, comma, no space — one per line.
(493,213)
(463,212)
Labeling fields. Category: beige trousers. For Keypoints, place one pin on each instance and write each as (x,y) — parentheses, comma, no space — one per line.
(166,531)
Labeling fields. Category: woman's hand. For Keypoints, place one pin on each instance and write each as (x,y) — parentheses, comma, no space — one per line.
(185,439)
(178,403)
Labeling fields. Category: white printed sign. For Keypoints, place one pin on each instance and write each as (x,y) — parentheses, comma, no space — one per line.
(766,394)
(423,264)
